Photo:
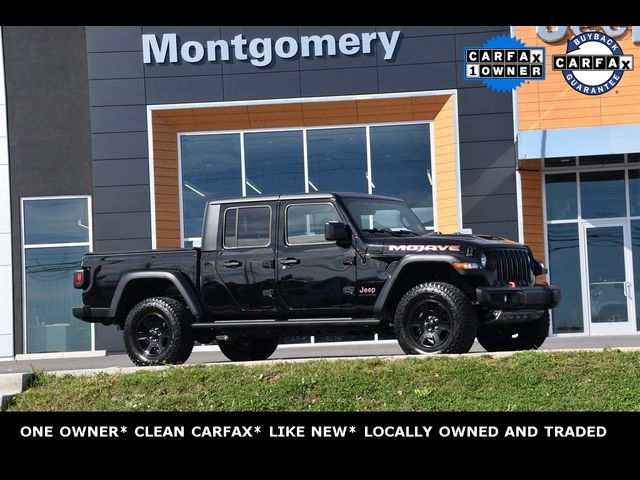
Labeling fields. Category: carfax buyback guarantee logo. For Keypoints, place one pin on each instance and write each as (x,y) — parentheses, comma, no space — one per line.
(503,63)
(594,63)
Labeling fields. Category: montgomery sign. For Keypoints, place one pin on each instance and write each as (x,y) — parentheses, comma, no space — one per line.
(260,51)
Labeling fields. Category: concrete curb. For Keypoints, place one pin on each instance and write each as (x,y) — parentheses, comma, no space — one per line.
(128,370)
(10,385)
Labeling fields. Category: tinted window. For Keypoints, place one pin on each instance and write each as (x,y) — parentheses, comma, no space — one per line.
(49,299)
(211,169)
(635,241)
(634,193)
(601,159)
(337,160)
(274,162)
(251,228)
(564,263)
(562,196)
(401,166)
(62,220)
(602,194)
(305,223)
(560,162)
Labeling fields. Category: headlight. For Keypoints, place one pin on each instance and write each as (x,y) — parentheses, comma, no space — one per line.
(483,260)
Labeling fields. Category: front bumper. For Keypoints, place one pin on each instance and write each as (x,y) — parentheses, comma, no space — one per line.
(537,297)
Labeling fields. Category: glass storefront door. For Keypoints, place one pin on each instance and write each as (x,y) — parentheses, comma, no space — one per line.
(608,277)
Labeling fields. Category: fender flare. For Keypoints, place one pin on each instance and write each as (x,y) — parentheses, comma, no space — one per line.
(179,280)
(406,260)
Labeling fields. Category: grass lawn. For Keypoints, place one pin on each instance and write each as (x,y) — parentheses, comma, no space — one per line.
(526,381)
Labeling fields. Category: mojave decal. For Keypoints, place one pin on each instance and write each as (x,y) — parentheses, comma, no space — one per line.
(424,248)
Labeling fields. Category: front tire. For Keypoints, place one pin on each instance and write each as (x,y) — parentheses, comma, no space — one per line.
(520,336)
(245,349)
(158,331)
(435,317)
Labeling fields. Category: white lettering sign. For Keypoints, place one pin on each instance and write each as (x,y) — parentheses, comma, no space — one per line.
(260,51)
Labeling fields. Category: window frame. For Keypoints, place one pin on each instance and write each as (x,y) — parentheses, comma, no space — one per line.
(224,226)
(24,247)
(286,223)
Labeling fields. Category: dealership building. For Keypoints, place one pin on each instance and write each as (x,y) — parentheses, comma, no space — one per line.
(113,138)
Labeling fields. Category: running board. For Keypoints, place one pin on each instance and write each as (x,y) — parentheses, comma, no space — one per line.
(292,323)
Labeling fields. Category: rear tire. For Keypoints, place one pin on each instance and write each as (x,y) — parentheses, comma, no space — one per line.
(520,336)
(245,349)
(435,317)
(158,331)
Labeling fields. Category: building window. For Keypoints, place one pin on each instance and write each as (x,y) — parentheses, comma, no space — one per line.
(56,234)
(384,159)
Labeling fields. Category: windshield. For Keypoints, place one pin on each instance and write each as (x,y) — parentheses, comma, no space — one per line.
(383,217)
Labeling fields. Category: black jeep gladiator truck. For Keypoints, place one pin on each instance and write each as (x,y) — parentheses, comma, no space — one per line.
(274,266)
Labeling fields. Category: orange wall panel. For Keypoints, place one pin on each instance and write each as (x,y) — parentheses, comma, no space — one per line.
(560,106)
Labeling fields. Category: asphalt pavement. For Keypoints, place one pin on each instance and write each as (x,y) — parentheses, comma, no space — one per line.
(322,350)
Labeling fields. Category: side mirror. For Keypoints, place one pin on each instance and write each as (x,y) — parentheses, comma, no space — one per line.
(336,231)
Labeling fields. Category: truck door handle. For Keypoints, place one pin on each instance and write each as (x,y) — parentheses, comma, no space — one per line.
(290,261)
(232,264)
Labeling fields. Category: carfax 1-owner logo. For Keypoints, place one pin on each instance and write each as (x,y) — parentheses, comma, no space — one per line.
(503,63)
(594,63)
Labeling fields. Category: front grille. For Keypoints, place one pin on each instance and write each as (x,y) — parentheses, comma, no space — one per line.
(512,266)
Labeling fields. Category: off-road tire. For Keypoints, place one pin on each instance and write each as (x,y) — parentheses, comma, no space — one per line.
(245,349)
(438,300)
(519,336)
(172,321)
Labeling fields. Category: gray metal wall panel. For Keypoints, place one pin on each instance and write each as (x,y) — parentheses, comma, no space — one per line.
(184,89)
(117,92)
(409,51)
(113,39)
(417,31)
(128,171)
(336,31)
(111,146)
(409,78)
(339,82)
(473,40)
(480,101)
(494,126)
(501,229)
(488,181)
(489,208)
(117,226)
(115,65)
(119,119)
(130,198)
(255,31)
(340,61)
(123,245)
(477,28)
(487,154)
(262,85)
(48,125)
